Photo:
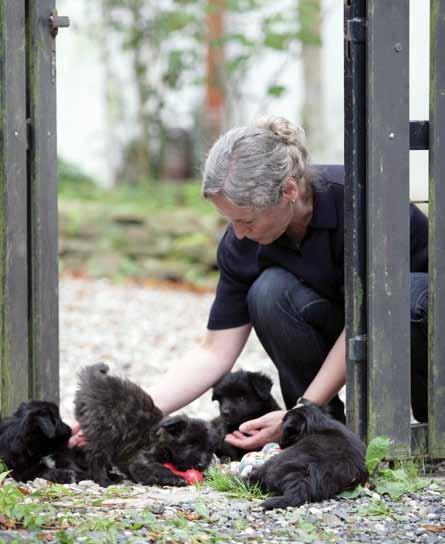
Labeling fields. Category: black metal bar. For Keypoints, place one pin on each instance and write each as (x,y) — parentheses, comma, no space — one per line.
(355,214)
(419,136)
(436,318)
(13,195)
(388,223)
(42,203)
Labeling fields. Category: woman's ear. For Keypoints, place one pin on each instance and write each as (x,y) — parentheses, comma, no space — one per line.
(290,189)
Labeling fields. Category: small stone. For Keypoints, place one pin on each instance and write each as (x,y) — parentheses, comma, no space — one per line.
(316,512)
(331,520)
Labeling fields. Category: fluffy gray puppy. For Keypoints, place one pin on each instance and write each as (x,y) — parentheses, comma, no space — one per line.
(125,431)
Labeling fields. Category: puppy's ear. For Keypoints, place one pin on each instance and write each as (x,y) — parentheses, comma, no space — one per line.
(47,427)
(261,384)
(294,426)
(173,425)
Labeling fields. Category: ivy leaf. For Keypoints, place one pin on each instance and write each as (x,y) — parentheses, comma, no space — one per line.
(377,449)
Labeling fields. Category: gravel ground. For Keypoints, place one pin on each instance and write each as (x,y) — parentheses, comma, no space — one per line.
(140,332)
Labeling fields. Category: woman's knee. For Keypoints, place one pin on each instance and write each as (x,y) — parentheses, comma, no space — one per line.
(277,293)
(267,292)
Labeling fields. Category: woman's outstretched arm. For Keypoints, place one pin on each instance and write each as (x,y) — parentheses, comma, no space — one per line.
(200,369)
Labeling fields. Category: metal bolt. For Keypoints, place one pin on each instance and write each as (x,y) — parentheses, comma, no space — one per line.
(398,47)
(391,135)
(56,21)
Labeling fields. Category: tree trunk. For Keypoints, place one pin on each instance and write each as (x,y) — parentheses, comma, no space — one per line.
(215,88)
(309,12)
(142,156)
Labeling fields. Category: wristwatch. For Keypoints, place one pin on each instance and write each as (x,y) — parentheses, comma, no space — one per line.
(301,401)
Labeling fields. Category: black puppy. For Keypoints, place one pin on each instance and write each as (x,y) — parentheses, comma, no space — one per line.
(34,443)
(242,396)
(321,458)
(125,431)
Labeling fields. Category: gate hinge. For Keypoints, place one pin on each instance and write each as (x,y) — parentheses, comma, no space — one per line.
(357,348)
(356,30)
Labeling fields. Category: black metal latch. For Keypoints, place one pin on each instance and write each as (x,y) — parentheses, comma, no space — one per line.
(356,30)
(56,22)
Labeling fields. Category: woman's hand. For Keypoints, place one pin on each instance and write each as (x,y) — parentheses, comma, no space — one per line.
(260,431)
(77,437)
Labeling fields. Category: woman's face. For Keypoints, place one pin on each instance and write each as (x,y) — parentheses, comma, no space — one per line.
(260,225)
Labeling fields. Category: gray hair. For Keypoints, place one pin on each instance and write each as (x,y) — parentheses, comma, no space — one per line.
(249,165)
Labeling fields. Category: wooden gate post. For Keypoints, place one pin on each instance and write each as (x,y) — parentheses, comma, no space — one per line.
(29,346)
(436,318)
(42,202)
(14,337)
(388,254)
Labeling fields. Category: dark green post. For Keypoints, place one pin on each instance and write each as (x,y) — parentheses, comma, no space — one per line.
(436,318)
(14,337)
(388,223)
(42,204)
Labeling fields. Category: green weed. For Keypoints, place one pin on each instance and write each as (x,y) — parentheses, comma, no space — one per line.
(403,478)
(233,485)
(376,509)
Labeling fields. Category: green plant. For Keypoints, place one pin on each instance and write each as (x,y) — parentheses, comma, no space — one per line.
(376,451)
(29,515)
(376,509)
(395,482)
(233,485)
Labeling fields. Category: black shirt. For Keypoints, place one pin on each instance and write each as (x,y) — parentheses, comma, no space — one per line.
(318,260)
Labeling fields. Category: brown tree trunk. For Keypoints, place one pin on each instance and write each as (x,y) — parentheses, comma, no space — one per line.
(215,87)
(309,12)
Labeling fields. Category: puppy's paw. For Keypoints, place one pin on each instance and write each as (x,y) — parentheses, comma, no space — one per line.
(173,480)
(275,502)
(60,476)
(255,476)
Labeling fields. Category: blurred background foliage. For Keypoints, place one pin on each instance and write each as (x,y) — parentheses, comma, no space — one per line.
(152,211)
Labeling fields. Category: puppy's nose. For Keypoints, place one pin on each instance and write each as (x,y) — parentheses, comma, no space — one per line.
(225,412)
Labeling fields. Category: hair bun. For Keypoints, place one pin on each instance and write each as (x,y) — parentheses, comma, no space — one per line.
(288,133)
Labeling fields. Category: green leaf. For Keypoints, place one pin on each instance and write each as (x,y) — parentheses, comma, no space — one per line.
(237,63)
(276,40)
(353,493)
(4,475)
(375,509)
(394,489)
(377,449)
(276,90)
(202,511)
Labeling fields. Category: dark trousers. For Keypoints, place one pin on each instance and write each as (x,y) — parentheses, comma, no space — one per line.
(298,327)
